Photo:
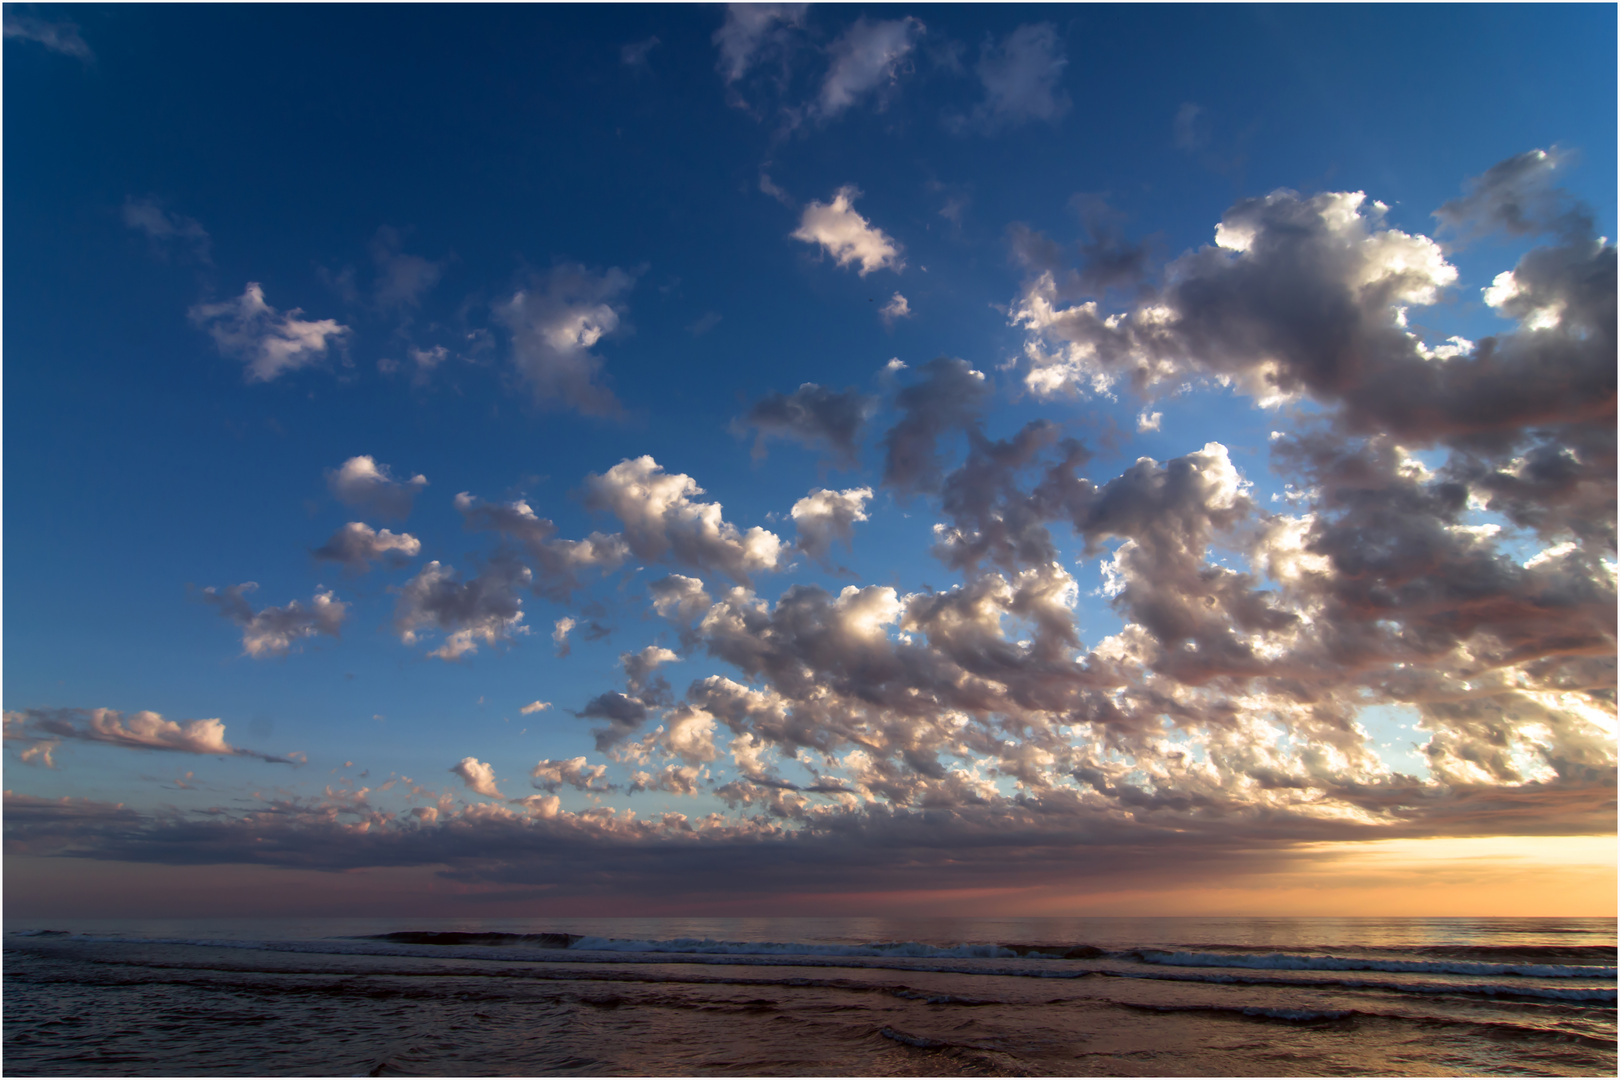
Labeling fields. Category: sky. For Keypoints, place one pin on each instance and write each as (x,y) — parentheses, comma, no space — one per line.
(780,459)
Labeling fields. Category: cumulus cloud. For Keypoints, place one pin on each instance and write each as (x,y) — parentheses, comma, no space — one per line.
(867,57)
(679,597)
(357,545)
(168,231)
(141,730)
(535,706)
(751,31)
(1022,79)
(555,322)
(270,342)
(949,395)
(553,776)
(1307,296)
(273,631)
(813,416)
(559,634)
(664,520)
(486,608)
(362,483)
(846,235)
(478,776)
(59,37)
(1446,551)
(560,561)
(824,516)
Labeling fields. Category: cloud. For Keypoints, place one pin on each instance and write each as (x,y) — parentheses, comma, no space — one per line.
(273,631)
(1190,130)
(555,323)
(1021,79)
(560,561)
(896,308)
(706,322)
(679,597)
(559,634)
(402,279)
(824,516)
(534,707)
(553,776)
(663,520)
(812,416)
(1308,297)
(868,55)
(624,714)
(478,776)
(950,395)
(847,236)
(752,31)
(362,483)
(271,342)
(59,37)
(634,53)
(1517,196)
(1149,421)
(141,730)
(357,545)
(167,230)
(486,608)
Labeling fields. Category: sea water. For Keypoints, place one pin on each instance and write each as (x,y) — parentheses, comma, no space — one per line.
(833,996)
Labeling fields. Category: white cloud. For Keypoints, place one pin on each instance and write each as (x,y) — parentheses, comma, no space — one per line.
(847,236)
(535,706)
(357,545)
(867,56)
(634,53)
(750,30)
(59,37)
(270,341)
(1149,421)
(663,519)
(361,482)
(824,516)
(559,634)
(478,776)
(273,630)
(555,322)
(679,597)
(897,308)
(166,229)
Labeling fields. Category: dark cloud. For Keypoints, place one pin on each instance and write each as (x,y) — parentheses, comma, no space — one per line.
(949,395)
(487,607)
(812,416)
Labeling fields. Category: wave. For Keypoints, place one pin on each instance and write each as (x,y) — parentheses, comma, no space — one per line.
(711,947)
(1299,962)
(906,956)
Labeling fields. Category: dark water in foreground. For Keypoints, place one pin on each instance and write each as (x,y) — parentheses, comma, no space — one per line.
(869,997)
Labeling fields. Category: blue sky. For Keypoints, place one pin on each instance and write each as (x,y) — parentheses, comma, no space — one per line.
(658,276)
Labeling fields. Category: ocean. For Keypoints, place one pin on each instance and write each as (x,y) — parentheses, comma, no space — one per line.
(806,996)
